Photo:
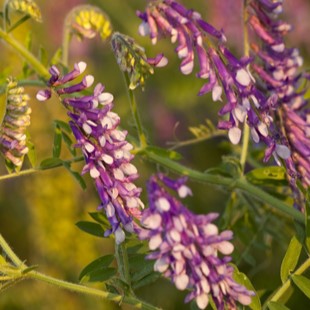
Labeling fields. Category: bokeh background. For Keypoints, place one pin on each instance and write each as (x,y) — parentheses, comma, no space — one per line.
(38,212)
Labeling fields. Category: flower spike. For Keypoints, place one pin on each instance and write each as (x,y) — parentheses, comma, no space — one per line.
(106,151)
(13,139)
(226,75)
(186,247)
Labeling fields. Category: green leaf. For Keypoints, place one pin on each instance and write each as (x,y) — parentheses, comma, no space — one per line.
(163,152)
(3,103)
(290,259)
(267,176)
(101,219)
(43,56)
(56,59)
(242,279)
(75,175)
(302,283)
(68,143)
(50,163)
(91,228)
(100,275)
(146,268)
(63,125)
(146,280)
(32,155)
(57,142)
(272,305)
(99,263)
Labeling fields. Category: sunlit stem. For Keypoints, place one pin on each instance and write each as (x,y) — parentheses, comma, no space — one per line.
(246,52)
(9,252)
(287,284)
(123,264)
(25,273)
(233,184)
(67,36)
(135,113)
(28,56)
(37,169)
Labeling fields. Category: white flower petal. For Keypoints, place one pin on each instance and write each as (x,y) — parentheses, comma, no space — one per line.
(243,77)
(119,235)
(152,222)
(202,301)
(181,281)
(234,135)
(184,191)
(283,151)
(217,93)
(263,129)
(155,242)
(162,204)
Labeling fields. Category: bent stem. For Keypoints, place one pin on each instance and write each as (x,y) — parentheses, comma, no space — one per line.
(241,184)
(135,113)
(287,284)
(28,56)
(25,272)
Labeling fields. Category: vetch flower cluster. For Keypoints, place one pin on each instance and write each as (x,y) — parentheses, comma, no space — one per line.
(13,139)
(186,247)
(86,21)
(106,151)
(132,59)
(28,7)
(279,70)
(226,74)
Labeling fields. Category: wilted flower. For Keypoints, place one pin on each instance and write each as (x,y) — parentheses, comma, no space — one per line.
(86,21)
(13,137)
(186,247)
(106,151)
(226,74)
(279,71)
(132,59)
(28,7)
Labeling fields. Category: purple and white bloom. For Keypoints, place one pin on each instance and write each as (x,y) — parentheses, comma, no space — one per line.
(188,248)
(104,146)
(228,78)
(279,70)
(13,138)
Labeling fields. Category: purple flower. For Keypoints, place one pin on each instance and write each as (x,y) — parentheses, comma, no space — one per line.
(186,247)
(279,71)
(227,75)
(106,151)
(13,139)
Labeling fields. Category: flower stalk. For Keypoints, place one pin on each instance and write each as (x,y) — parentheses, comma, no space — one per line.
(28,56)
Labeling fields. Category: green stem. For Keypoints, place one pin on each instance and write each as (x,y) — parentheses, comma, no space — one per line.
(179,144)
(246,52)
(9,252)
(37,169)
(135,113)
(241,184)
(287,284)
(33,274)
(28,56)
(122,262)
(90,291)
(66,42)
